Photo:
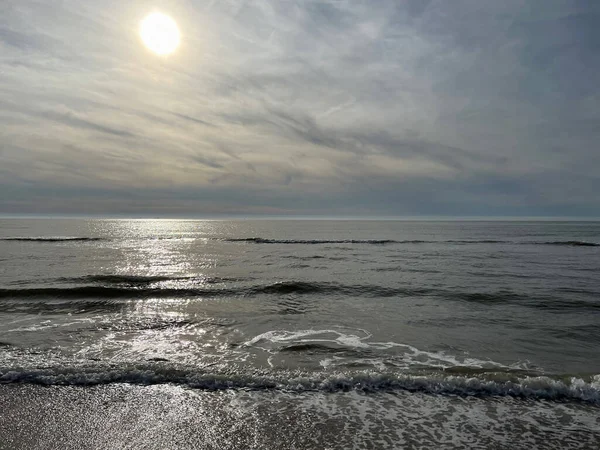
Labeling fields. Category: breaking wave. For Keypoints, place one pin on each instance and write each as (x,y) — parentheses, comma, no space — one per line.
(583,389)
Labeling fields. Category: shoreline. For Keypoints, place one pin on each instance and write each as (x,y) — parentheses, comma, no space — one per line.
(119,416)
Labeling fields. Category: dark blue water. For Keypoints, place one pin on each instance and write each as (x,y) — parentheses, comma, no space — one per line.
(495,311)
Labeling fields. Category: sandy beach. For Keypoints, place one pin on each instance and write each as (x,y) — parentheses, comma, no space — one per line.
(125,416)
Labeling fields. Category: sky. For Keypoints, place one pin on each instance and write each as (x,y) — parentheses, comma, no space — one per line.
(302,107)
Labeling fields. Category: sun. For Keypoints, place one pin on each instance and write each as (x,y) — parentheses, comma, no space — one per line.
(160,33)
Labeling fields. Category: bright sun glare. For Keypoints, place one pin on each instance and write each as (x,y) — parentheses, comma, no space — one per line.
(160,33)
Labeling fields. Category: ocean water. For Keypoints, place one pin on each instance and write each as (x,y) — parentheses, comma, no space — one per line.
(363,334)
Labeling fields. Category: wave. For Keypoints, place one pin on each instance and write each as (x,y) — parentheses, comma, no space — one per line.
(281,288)
(570,243)
(52,239)
(482,241)
(202,288)
(582,389)
(259,240)
(115,279)
(132,281)
(146,279)
(303,287)
(106,292)
(313,347)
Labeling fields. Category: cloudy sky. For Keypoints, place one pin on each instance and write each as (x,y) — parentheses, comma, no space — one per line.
(335,107)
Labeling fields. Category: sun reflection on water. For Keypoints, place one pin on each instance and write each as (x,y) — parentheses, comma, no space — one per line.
(173,293)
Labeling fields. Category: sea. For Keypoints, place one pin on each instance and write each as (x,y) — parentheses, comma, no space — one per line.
(308,334)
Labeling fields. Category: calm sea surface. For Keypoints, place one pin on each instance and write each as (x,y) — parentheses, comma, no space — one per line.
(484,331)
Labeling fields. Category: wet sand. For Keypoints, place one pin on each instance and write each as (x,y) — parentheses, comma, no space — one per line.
(122,416)
(149,417)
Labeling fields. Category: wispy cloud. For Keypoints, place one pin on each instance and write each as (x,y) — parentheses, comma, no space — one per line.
(302,106)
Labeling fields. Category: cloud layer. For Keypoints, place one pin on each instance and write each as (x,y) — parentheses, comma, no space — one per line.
(336,107)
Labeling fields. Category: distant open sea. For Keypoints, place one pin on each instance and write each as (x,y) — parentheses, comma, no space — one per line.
(299,334)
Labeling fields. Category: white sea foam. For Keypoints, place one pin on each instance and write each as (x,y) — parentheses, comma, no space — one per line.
(542,387)
(404,355)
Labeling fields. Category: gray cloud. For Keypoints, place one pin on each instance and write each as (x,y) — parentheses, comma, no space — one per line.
(302,107)
(70,119)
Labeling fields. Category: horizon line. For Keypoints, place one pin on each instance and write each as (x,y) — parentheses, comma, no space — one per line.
(216,217)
